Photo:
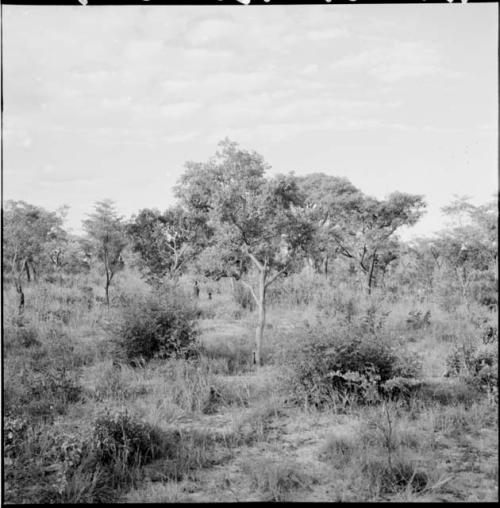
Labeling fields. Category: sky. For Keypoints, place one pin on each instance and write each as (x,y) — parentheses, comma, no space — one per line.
(110,102)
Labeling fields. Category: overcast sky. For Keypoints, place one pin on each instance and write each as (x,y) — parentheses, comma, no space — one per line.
(109,102)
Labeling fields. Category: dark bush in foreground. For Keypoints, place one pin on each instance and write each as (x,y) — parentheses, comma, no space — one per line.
(324,363)
(157,327)
(121,438)
(40,462)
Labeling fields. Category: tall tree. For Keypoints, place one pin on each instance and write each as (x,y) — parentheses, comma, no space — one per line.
(27,230)
(324,199)
(106,232)
(368,224)
(356,226)
(253,220)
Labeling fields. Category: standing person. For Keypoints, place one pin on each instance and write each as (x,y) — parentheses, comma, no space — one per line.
(196,290)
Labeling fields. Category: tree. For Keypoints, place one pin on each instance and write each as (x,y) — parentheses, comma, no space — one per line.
(165,242)
(106,233)
(468,247)
(27,230)
(356,226)
(253,221)
(325,196)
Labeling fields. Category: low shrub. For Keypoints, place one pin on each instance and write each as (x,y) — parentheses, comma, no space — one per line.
(120,438)
(156,327)
(400,474)
(324,362)
(477,365)
(40,461)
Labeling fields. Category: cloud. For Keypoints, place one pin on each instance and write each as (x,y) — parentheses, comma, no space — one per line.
(396,62)
(13,137)
(182,137)
(211,30)
(180,109)
(327,34)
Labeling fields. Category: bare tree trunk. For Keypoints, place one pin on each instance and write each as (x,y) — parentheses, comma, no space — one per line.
(106,287)
(33,271)
(261,304)
(20,292)
(325,265)
(370,275)
(27,270)
(108,277)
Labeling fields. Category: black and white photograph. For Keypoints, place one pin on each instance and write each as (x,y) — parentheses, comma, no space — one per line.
(249,251)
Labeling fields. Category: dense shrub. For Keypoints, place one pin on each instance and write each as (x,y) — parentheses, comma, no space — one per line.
(327,362)
(156,327)
(120,438)
(476,364)
(40,461)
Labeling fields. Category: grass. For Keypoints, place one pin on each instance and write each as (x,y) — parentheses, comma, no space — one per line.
(277,480)
(223,431)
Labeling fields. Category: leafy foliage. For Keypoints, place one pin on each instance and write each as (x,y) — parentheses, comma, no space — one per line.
(40,462)
(119,437)
(167,241)
(356,226)
(477,364)
(156,327)
(327,362)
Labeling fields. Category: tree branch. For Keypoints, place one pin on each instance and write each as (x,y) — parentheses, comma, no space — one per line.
(257,263)
(246,284)
(275,276)
(344,250)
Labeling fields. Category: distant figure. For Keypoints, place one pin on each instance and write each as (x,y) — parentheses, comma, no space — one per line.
(209,294)
(196,289)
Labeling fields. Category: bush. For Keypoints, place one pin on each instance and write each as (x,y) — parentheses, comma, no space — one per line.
(156,327)
(120,438)
(476,364)
(324,363)
(39,461)
(402,474)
